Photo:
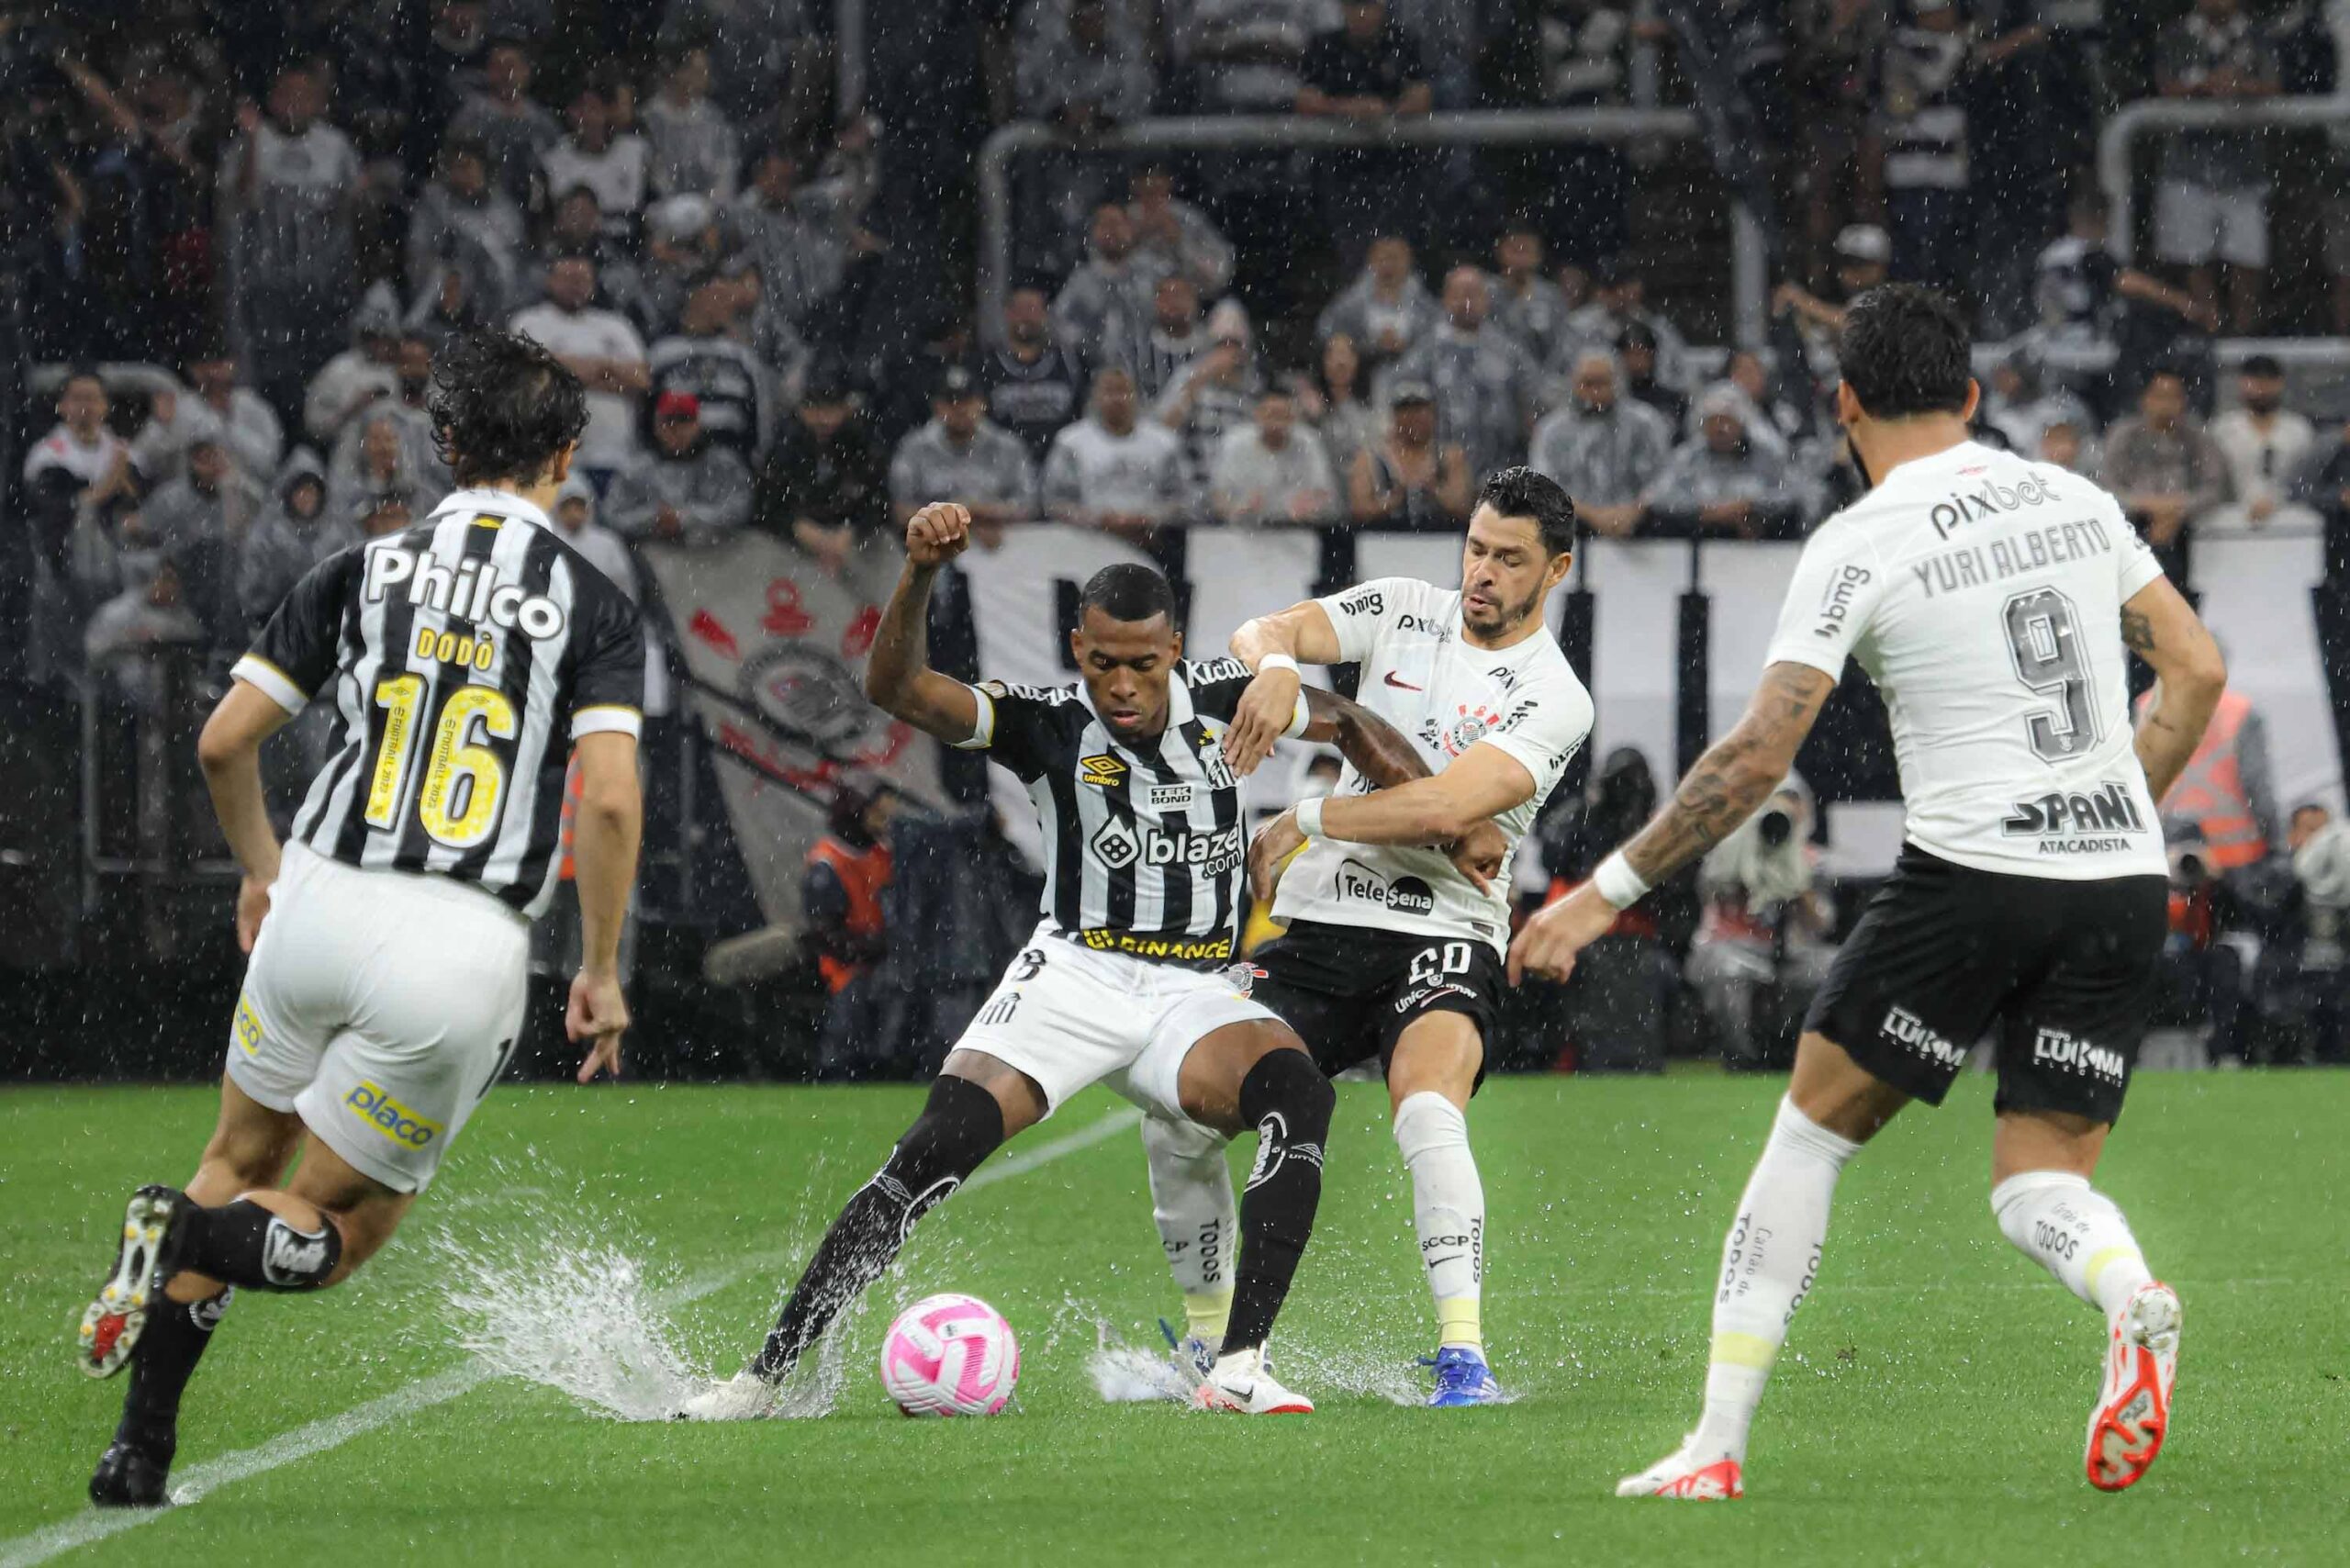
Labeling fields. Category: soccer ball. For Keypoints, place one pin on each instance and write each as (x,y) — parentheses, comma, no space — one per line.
(950,1355)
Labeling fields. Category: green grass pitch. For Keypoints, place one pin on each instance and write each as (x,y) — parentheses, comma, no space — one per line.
(1929,1409)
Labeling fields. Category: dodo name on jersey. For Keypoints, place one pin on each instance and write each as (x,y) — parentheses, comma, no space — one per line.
(473,591)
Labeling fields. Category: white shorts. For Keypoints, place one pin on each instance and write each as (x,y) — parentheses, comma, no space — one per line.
(2194,224)
(379,1006)
(1070,1017)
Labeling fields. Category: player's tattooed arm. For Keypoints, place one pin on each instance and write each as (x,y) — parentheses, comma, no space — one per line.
(2160,628)
(898,676)
(1737,775)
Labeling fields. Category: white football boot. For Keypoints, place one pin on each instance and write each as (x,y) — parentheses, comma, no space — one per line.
(745,1396)
(1688,1475)
(1240,1382)
(2133,1413)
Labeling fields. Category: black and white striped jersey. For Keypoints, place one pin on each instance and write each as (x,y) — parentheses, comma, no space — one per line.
(1143,844)
(463,656)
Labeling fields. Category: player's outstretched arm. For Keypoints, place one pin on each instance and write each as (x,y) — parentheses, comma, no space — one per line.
(1300,634)
(898,676)
(1732,779)
(606,832)
(2160,627)
(229,752)
(1387,759)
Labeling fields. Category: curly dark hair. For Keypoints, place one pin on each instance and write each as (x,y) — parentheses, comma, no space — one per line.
(502,407)
(1904,350)
(1523,492)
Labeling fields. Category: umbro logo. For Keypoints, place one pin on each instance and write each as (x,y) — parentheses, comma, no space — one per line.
(1101,770)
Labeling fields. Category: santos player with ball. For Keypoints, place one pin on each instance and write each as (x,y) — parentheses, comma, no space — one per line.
(1127,979)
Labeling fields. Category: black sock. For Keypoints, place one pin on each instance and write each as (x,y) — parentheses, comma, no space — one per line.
(1290,1102)
(961,1125)
(244,1244)
(175,1341)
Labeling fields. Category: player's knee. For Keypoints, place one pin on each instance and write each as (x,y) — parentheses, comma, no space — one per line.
(1427,1121)
(1286,1084)
(959,1126)
(247,1160)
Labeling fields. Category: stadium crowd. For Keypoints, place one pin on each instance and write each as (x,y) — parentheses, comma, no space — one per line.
(263,219)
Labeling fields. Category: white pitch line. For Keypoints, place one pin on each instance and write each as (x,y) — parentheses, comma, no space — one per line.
(200,1481)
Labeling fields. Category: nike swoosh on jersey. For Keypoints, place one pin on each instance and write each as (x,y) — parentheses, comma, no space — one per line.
(1405,684)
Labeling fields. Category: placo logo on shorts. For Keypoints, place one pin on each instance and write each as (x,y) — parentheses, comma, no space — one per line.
(1905,1028)
(1404,895)
(247,1027)
(2068,1052)
(376,1107)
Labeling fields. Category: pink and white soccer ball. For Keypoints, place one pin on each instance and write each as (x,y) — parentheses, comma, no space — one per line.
(950,1355)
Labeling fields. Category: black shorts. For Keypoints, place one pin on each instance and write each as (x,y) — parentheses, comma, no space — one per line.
(2066,970)
(1351,993)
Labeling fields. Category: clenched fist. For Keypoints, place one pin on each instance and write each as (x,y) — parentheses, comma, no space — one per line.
(937,533)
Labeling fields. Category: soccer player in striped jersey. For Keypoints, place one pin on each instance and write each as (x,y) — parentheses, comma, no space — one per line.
(471,660)
(1129,979)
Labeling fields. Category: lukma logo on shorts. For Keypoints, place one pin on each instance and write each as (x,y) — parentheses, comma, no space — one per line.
(373,1105)
(2059,1048)
(1905,1028)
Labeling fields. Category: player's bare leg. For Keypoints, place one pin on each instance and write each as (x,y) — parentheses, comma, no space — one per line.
(185,1253)
(1429,1080)
(1257,1074)
(1769,1261)
(977,1104)
(2040,1165)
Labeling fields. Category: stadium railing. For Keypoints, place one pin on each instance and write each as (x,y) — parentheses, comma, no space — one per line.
(2154,117)
(1233,133)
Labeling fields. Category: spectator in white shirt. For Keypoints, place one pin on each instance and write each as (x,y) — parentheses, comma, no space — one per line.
(962,456)
(1271,471)
(1113,471)
(614,163)
(246,426)
(360,374)
(1176,235)
(603,351)
(2265,444)
(462,219)
(695,149)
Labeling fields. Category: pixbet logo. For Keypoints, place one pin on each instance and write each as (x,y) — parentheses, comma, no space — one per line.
(1968,506)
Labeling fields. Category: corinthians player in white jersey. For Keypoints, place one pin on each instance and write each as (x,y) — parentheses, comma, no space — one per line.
(1995,602)
(1391,951)
(469,660)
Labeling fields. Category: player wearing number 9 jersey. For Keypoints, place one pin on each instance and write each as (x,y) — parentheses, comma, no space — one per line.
(470,661)
(1995,602)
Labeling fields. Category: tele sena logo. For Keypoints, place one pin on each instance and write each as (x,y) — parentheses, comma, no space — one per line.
(373,1106)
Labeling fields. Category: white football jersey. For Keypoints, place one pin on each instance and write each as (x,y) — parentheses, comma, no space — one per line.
(1421,676)
(1983,594)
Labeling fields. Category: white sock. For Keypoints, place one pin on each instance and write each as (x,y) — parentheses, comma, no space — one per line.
(1199,1225)
(1447,1210)
(2059,1221)
(1768,1262)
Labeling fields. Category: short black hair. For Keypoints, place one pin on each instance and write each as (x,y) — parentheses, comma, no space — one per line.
(502,407)
(1523,492)
(1904,350)
(1128,591)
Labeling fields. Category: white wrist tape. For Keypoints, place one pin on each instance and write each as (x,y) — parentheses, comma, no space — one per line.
(1309,817)
(1298,720)
(1617,882)
(1276,661)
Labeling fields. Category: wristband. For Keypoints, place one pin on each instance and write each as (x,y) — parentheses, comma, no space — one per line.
(1617,882)
(1300,719)
(1309,817)
(1277,661)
